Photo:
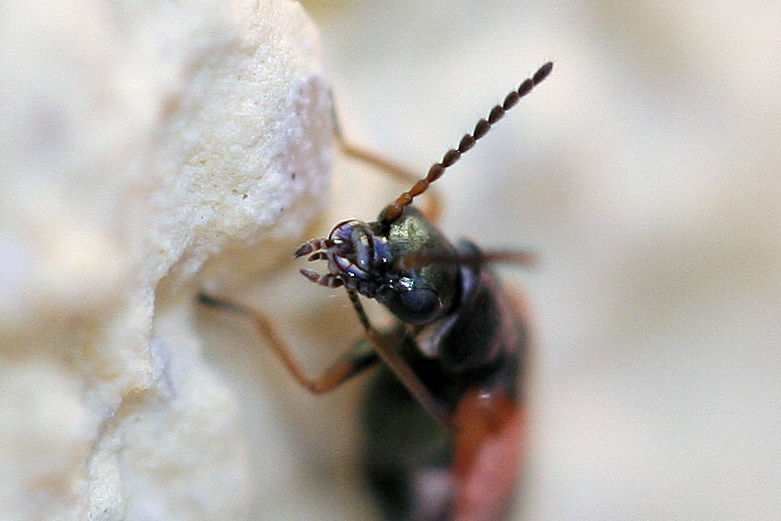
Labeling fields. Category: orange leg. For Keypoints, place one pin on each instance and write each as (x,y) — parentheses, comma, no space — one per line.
(350,364)
(393,359)
(432,210)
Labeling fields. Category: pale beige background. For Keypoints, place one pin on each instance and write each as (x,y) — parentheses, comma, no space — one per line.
(645,174)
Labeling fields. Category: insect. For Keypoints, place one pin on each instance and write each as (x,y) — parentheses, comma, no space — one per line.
(444,418)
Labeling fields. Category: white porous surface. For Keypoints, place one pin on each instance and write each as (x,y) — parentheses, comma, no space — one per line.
(137,141)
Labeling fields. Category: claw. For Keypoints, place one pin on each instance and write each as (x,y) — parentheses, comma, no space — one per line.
(313,245)
(328,280)
(303,250)
(318,256)
(310,274)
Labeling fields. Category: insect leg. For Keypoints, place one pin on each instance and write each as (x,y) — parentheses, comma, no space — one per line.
(400,367)
(348,365)
(404,175)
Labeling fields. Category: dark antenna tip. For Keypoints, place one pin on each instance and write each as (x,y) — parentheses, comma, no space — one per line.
(542,73)
(482,127)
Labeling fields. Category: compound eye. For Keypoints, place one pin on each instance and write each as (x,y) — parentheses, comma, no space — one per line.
(419,305)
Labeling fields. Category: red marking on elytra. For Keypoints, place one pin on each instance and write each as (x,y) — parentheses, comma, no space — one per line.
(489,432)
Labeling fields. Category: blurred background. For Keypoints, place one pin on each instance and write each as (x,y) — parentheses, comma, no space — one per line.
(645,174)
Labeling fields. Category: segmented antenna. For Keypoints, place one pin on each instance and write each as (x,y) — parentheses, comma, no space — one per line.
(451,156)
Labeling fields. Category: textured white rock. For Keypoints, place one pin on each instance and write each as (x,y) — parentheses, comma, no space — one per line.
(137,141)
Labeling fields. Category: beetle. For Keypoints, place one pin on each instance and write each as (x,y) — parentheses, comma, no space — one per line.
(444,418)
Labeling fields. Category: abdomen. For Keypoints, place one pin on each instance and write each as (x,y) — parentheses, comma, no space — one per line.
(420,471)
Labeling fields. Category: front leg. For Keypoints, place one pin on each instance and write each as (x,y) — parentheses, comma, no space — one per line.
(388,351)
(351,363)
(432,209)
